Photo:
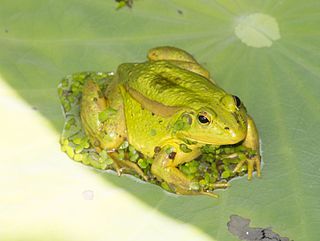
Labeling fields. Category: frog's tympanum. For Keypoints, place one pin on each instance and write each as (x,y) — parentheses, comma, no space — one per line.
(164,120)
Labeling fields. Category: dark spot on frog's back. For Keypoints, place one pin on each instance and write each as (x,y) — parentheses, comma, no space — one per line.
(96,143)
(157,149)
(172,155)
(100,94)
(239,119)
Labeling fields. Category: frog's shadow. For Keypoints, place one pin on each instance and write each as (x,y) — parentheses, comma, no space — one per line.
(193,210)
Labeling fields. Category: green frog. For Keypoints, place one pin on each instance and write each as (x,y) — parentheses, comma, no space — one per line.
(167,108)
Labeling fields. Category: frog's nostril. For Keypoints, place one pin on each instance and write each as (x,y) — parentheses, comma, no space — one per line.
(227,128)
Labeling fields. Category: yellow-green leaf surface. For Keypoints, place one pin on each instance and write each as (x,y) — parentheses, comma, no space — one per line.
(266,52)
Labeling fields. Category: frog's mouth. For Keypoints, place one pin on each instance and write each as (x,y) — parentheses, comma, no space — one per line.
(216,134)
(215,139)
(235,137)
(221,141)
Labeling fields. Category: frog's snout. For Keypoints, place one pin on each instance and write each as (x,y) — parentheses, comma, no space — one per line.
(235,136)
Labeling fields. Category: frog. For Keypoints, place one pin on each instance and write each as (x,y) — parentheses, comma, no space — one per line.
(167,108)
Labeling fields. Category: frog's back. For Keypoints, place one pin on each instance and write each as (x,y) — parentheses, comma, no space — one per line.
(168,84)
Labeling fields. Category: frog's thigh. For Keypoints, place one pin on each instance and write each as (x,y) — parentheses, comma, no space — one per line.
(179,58)
(170,53)
(92,104)
(121,165)
(193,67)
(252,141)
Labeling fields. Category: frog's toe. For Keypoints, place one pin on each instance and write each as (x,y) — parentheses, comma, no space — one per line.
(209,193)
(117,168)
(252,163)
(257,163)
(189,191)
(250,168)
(132,166)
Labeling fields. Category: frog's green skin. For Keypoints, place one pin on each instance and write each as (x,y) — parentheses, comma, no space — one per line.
(159,105)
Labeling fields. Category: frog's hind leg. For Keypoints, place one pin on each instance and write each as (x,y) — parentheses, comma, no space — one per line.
(92,104)
(99,120)
(179,58)
(104,125)
(170,53)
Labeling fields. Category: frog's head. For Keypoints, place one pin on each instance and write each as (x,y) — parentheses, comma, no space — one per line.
(220,123)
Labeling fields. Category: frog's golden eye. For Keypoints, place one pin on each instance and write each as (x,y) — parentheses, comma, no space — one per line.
(203,119)
(237,101)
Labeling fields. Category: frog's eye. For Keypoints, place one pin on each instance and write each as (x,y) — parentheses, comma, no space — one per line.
(203,119)
(237,101)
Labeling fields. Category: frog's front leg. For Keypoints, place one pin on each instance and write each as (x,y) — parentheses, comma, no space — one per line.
(251,141)
(165,165)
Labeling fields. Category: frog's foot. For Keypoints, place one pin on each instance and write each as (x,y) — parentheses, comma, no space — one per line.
(132,166)
(251,162)
(215,186)
(198,191)
(121,165)
(192,190)
(208,193)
